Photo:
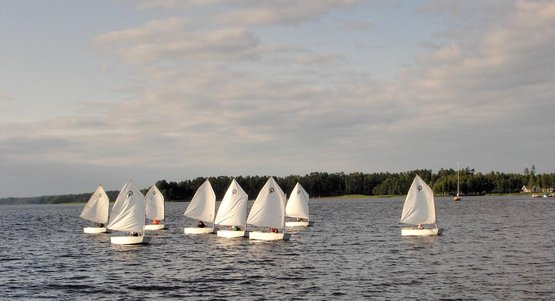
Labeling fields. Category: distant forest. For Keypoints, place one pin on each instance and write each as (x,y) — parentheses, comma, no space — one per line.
(323,184)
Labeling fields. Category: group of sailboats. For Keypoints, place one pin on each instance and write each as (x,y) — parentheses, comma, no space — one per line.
(129,213)
(131,210)
(268,211)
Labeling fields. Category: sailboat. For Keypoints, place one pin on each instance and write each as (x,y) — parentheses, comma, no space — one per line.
(419,209)
(458,197)
(233,212)
(96,210)
(297,207)
(268,210)
(128,214)
(154,202)
(202,208)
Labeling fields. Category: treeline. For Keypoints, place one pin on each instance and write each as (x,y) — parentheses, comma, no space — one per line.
(55,199)
(323,184)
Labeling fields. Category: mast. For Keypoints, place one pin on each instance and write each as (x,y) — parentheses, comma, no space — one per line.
(458,177)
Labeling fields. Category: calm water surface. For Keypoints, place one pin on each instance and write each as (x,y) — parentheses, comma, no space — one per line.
(498,248)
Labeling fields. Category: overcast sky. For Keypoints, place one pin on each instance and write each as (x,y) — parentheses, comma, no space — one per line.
(96,92)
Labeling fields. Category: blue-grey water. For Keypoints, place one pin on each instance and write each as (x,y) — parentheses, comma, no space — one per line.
(493,248)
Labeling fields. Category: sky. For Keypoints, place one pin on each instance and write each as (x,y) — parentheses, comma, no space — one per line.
(98,92)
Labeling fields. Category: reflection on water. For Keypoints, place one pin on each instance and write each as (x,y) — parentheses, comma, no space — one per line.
(492,248)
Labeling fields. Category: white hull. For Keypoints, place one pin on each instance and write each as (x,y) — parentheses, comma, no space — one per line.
(232,233)
(197,230)
(269,236)
(129,240)
(298,224)
(421,232)
(95,230)
(155,227)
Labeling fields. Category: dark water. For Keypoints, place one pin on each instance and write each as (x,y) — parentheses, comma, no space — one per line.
(492,248)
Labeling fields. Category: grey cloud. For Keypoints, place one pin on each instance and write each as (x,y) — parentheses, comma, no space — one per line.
(169,39)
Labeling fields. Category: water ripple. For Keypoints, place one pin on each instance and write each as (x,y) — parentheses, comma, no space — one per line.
(354,251)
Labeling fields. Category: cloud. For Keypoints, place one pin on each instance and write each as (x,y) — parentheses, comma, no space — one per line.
(281,12)
(256,13)
(173,39)
(499,72)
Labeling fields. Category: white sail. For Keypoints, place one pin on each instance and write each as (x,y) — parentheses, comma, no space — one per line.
(297,205)
(154,204)
(203,205)
(268,210)
(419,207)
(128,213)
(233,209)
(96,209)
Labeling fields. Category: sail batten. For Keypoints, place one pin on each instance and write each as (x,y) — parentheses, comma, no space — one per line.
(297,205)
(154,204)
(233,208)
(268,210)
(96,209)
(203,204)
(419,207)
(128,213)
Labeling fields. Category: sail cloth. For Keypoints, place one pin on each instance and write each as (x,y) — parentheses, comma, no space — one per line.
(233,209)
(419,207)
(128,213)
(96,209)
(268,210)
(203,205)
(297,205)
(154,204)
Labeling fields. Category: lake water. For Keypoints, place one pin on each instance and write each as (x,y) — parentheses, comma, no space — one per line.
(492,248)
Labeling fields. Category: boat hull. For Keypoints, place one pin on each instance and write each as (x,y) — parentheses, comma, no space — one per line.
(129,240)
(257,235)
(196,230)
(155,227)
(299,224)
(232,233)
(421,232)
(95,230)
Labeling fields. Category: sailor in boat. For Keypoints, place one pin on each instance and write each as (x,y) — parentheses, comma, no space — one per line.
(201,224)
(273,230)
(155,222)
(133,234)
(100,225)
(420,227)
(236,228)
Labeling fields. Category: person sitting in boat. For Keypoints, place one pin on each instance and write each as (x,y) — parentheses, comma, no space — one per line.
(299,219)
(201,224)
(133,234)
(273,230)
(235,228)
(155,222)
(100,225)
(420,227)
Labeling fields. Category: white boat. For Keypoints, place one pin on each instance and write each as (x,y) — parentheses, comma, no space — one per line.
(419,210)
(268,210)
(128,214)
(458,197)
(96,210)
(154,202)
(297,207)
(233,212)
(202,208)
